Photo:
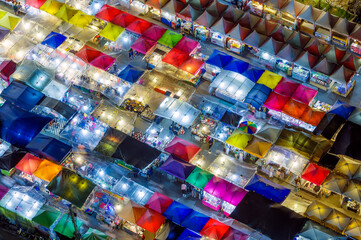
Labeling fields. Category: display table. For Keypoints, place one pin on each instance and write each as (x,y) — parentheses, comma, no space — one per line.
(320,80)
(300,73)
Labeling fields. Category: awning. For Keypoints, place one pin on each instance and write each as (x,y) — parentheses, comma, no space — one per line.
(151,221)
(275,101)
(158,202)
(46,216)
(199,178)
(111,31)
(236,65)
(258,147)
(47,170)
(315,174)
(214,229)
(54,40)
(195,221)
(108,13)
(219,59)
(170,39)
(28,164)
(177,167)
(182,149)
(139,26)
(269,79)
(258,95)
(130,74)
(318,211)
(155,32)
(312,116)
(177,212)
(192,65)
(187,45)
(239,139)
(143,45)
(286,87)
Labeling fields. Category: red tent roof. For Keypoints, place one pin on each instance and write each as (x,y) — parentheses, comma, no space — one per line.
(266,27)
(143,45)
(304,94)
(294,109)
(187,45)
(151,221)
(28,164)
(108,13)
(103,62)
(35,3)
(175,57)
(315,174)
(88,54)
(325,67)
(155,32)
(351,61)
(223,26)
(6,69)
(158,202)
(356,34)
(275,101)
(239,32)
(191,65)
(124,19)
(311,116)
(249,20)
(214,229)
(139,26)
(315,47)
(286,87)
(306,60)
(182,149)
(282,34)
(334,54)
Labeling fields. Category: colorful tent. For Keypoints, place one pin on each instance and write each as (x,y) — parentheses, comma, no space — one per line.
(313,230)
(6,69)
(28,164)
(155,32)
(214,229)
(54,40)
(139,26)
(252,73)
(3,32)
(66,226)
(177,212)
(236,65)
(158,202)
(239,139)
(124,19)
(258,95)
(182,149)
(47,170)
(195,221)
(35,3)
(329,125)
(151,221)
(311,116)
(108,13)
(318,211)
(130,74)
(175,57)
(187,45)
(170,39)
(51,6)
(234,195)
(88,54)
(353,229)
(353,191)
(223,26)
(217,187)
(342,109)
(111,31)
(257,147)
(304,94)
(189,235)
(3,191)
(192,65)
(46,216)
(233,234)
(81,19)
(93,234)
(269,133)
(132,212)
(335,183)
(157,4)
(219,59)
(9,21)
(103,62)
(337,220)
(199,178)
(66,12)
(269,79)
(71,186)
(275,101)
(143,45)
(294,109)
(286,87)
(315,174)
(177,167)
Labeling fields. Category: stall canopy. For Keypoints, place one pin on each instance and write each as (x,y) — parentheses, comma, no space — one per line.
(170,230)
(35,3)
(217,8)
(269,133)
(88,54)
(3,33)
(214,229)
(132,212)
(312,116)
(239,139)
(255,39)
(236,65)
(335,183)
(334,54)
(337,220)
(286,87)
(151,221)
(234,195)
(325,67)
(317,211)
(342,109)
(195,221)
(353,229)
(231,118)
(289,53)
(298,40)
(306,60)
(351,61)
(294,109)
(258,147)
(315,174)
(268,217)
(217,187)
(170,39)
(206,19)
(310,14)
(187,45)
(233,234)
(11,158)
(282,33)
(329,125)
(313,230)
(81,19)
(9,21)
(304,94)
(188,234)
(199,178)
(93,234)
(123,19)
(275,101)
(108,13)
(219,59)
(177,212)
(177,167)
(266,27)
(3,191)
(347,167)
(28,164)
(130,74)
(157,4)
(53,40)
(249,20)
(189,13)
(111,31)
(175,57)
(269,79)
(329,161)
(66,12)
(252,73)
(182,149)
(355,116)
(143,45)
(222,26)
(258,95)
(158,202)
(46,216)
(47,170)
(66,226)
(271,46)
(51,6)
(155,32)
(103,62)
(192,65)
(353,191)
(239,32)
(268,189)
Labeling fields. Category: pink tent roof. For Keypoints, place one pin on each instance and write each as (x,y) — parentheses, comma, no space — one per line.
(187,45)
(143,45)
(175,57)
(138,26)
(275,101)
(182,149)
(155,32)
(286,87)
(103,62)
(3,191)
(304,94)
(217,187)
(192,65)
(234,195)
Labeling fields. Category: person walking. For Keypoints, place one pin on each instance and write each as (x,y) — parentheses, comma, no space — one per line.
(149,173)
(184,189)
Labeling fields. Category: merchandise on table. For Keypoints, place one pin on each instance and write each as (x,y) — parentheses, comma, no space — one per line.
(218,39)
(186,27)
(323,33)
(138,6)
(256,8)
(211,201)
(203,129)
(168,16)
(300,73)
(201,32)
(235,45)
(268,59)
(284,66)
(320,80)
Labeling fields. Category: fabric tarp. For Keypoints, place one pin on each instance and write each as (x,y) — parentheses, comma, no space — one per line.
(347,167)
(312,117)
(71,186)
(177,212)
(138,26)
(294,109)
(337,221)
(107,13)
(268,189)
(219,59)
(158,202)
(199,178)
(132,212)
(151,221)
(66,12)
(177,167)
(53,40)
(217,187)
(313,230)
(189,235)
(81,19)
(269,79)
(11,157)
(111,31)
(335,183)
(214,229)
(170,39)
(329,125)
(236,65)
(269,133)
(187,45)
(143,45)
(104,62)
(286,87)
(93,234)
(130,74)
(66,226)
(315,174)
(275,101)
(35,3)
(195,221)
(258,95)
(192,65)
(239,139)
(342,109)
(304,94)
(6,69)
(47,170)
(182,149)
(124,19)
(28,164)
(231,118)
(46,216)
(155,32)
(51,6)
(354,229)
(175,57)
(88,54)
(252,73)
(258,147)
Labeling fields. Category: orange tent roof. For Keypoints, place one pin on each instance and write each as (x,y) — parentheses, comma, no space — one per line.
(311,116)
(294,109)
(47,170)
(28,164)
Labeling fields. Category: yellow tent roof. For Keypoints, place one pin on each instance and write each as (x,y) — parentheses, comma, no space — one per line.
(354,229)
(347,166)
(81,19)
(337,220)
(9,21)
(269,79)
(2,13)
(132,212)
(239,139)
(47,170)
(318,211)
(111,31)
(66,12)
(51,6)
(258,147)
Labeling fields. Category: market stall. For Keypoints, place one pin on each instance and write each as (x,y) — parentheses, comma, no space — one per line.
(268,51)
(307,18)
(187,15)
(235,37)
(158,202)
(153,8)
(289,12)
(214,229)
(203,129)
(222,132)
(132,190)
(341,31)
(152,222)
(320,74)
(177,212)
(195,221)
(258,95)
(355,40)
(312,178)
(199,179)
(170,39)
(66,225)
(177,168)
(169,11)
(303,65)
(269,132)
(343,81)
(47,170)
(202,25)
(216,62)
(287,55)
(215,189)
(257,147)
(324,24)
(219,32)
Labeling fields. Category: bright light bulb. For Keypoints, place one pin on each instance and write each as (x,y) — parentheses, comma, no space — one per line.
(97,131)
(101,173)
(185,119)
(85,108)
(84,132)
(176,114)
(26,197)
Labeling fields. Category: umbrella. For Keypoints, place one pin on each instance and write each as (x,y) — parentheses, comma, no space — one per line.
(248,127)
(335,183)
(93,234)
(29,164)
(337,220)
(315,174)
(318,211)
(158,202)
(214,229)
(354,229)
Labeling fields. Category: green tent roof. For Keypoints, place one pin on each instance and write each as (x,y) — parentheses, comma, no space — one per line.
(93,234)
(199,178)
(239,139)
(170,39)
(46,216)
(66,227)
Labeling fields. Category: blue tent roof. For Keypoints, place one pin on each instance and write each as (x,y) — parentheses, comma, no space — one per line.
(195,221)
(177,212)
(258,95)
(219,59)
(18,126)
(236,65)
(342,109)
(54,40)
(189,235)
(253,73)
(22,95)
(130,74)
(48,147)
(268,189)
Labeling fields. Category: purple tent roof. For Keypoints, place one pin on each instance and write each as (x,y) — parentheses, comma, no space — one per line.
(177,167)
(217,187)
(3,191)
